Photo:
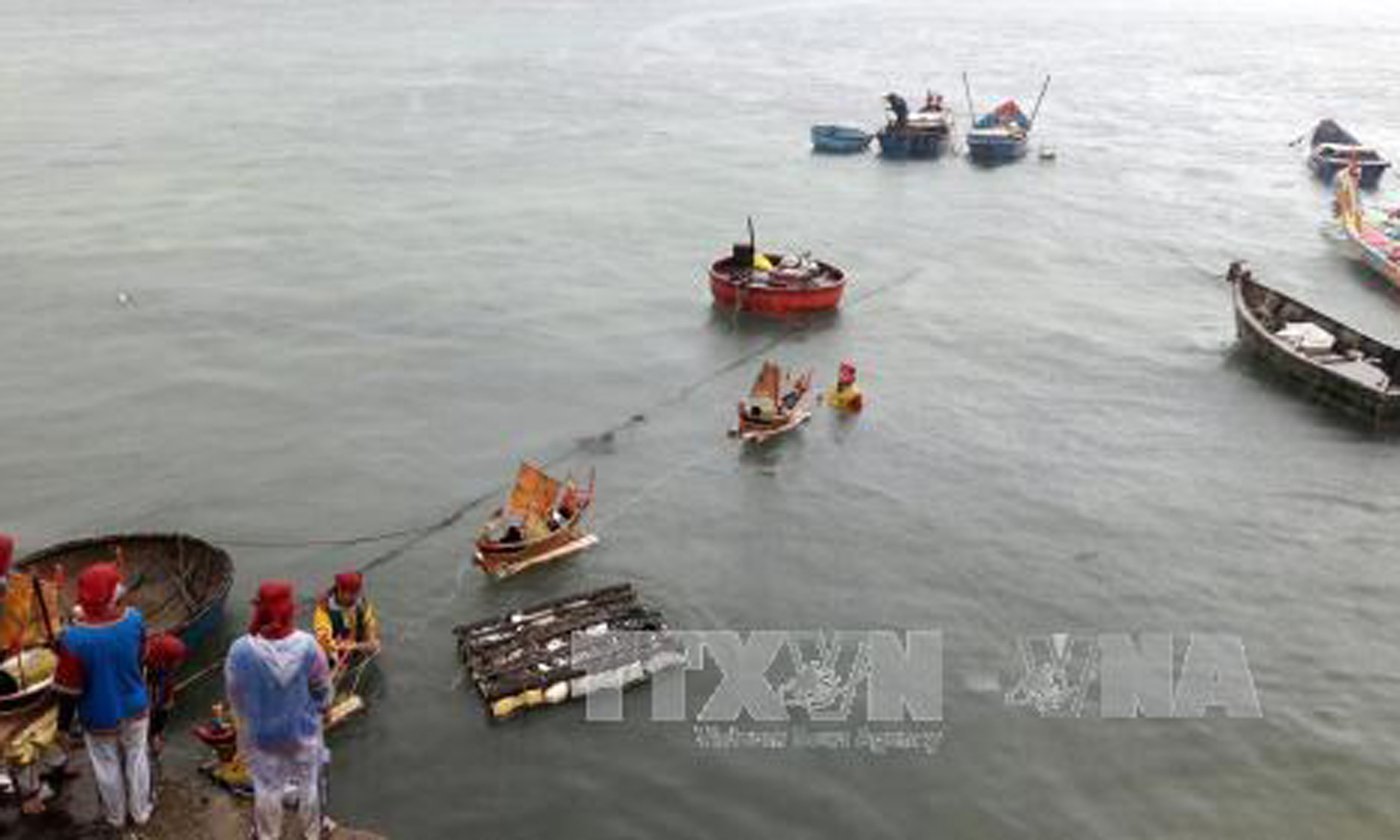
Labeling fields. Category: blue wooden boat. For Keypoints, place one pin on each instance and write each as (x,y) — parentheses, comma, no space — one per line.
(922,135)
(178,582)
(839,139)
(1334,148)
(1003,135)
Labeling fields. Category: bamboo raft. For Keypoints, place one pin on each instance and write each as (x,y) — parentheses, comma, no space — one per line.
(532,657)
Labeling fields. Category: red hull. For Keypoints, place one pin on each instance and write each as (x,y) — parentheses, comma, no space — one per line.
(774,300)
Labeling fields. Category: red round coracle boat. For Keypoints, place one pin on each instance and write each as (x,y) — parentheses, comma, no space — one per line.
(775,284)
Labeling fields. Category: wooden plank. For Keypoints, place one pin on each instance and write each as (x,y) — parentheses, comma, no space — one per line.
(585,542)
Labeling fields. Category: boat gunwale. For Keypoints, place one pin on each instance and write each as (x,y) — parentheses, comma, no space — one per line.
(210,601)
(494,549)
(722,270)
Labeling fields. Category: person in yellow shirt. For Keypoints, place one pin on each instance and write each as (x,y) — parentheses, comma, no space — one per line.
(344,622)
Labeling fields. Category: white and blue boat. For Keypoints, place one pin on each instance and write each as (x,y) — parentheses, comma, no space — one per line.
(923,134)
(839,139)
(1003,135)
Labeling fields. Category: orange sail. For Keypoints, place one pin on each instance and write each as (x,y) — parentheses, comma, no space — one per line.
(22,624)
(533,494)
(769,381)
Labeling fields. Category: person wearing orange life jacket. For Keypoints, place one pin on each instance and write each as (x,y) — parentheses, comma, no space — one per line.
(345,621)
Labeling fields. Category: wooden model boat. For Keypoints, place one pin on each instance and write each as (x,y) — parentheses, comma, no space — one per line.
(541,521)
(778,403)
(1336,364)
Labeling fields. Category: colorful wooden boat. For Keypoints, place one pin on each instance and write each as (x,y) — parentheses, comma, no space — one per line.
(1375,237)
(921,135)
(1337,365)
(1003,135)
(778,402)
(542,521)
(1334,149)
(839,139)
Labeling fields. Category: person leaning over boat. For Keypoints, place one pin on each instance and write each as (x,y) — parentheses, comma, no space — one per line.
(899,108)
(279,687)
(345,621)
(99,677)
(165,653)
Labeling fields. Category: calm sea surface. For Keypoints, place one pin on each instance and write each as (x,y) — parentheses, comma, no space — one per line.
(374,253)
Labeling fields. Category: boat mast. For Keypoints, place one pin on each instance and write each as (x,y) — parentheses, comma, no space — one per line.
(971,112)
(1040,99)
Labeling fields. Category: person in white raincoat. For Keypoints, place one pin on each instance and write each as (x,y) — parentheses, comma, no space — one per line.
(279,687)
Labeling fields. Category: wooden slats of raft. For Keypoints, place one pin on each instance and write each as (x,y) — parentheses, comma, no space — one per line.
(530,657)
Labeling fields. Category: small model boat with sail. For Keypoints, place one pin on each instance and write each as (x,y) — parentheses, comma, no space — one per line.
(543,520)
(779,402)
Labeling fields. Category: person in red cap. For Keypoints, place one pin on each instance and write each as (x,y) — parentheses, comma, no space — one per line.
(279,688)
(845,395)
(344,621)
(99,677)
(165,653)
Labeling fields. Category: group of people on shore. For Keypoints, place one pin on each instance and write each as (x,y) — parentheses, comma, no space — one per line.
(118,684)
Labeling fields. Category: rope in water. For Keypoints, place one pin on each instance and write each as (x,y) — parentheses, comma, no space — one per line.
(412,536)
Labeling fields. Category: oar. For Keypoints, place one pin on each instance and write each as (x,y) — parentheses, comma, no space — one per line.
(198,675)
(971,111)
(1036,111)
(43,613)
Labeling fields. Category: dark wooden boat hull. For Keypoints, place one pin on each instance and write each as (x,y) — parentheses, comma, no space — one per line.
(1326,169)
(180,583)
(1326,166)
(1377,407)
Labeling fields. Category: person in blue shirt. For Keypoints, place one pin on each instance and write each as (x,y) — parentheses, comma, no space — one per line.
(100,679)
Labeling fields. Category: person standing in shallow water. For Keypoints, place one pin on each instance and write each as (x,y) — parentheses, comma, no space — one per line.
(279,687)
(344,621)
(99,677)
